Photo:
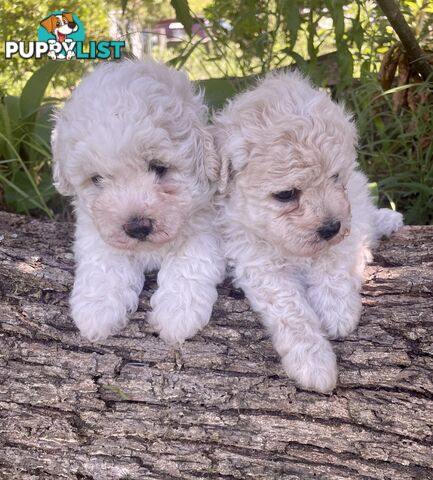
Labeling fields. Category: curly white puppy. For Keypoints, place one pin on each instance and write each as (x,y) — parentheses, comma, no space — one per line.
(132,147)
(297,218)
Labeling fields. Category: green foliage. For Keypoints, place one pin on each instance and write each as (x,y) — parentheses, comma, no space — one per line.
(218,90)
(183,14)
(397,148)
(25,178)
(250,38)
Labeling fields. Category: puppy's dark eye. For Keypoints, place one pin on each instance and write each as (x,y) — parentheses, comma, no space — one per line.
(97,179)
(287,195)
(335,177)
(158,169)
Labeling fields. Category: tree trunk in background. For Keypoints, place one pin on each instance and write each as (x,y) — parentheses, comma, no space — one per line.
(221,407)
(414,52)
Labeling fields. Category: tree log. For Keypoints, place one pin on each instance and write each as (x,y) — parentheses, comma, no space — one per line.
(220,407)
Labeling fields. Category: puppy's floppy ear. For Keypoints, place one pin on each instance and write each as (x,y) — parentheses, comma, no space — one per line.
(62,185)
(225,166)
(49,24)
(206,166)
(211,162)
(231,151)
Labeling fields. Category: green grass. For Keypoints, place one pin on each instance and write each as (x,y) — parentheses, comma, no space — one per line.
(25,153)
(396,148)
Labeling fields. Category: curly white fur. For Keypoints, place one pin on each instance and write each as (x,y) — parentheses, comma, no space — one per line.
(285,136)
(124,122)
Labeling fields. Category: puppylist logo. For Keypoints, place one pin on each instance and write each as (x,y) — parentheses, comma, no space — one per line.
(61,37)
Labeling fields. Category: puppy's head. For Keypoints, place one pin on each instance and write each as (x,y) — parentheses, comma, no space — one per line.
(287,152)
(63,23)
(131,145)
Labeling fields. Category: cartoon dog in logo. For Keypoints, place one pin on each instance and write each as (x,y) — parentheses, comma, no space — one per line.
(60,26)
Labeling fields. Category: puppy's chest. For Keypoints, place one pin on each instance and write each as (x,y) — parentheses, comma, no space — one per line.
(150,261)
(299,268)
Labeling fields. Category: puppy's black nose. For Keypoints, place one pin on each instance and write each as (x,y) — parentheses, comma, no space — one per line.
(72,25)
(138,228)
(329,230)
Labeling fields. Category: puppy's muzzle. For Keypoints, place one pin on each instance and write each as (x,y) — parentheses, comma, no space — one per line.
(138,228)
(329,230)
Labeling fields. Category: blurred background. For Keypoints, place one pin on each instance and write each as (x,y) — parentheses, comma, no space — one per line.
(347,47)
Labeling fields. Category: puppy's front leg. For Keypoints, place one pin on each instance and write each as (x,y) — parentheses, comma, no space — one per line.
(106,288)
(334,291)
(187,282)
(306,355)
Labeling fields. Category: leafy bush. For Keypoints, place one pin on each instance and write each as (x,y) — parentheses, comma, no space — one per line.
(25,153)
(396,147)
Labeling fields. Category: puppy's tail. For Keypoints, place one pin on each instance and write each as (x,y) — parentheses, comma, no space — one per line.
(386,222)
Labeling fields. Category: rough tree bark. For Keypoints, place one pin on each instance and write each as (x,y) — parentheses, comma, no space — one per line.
(221,407)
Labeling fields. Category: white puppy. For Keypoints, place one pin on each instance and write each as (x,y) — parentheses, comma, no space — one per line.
(297,219)
(132,148)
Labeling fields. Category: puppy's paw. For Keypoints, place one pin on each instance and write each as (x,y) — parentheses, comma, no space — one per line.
(177,319)
(98,318)
(387,222)
(342,318)
(338,306)
(312,365)
(340,328)
(173,331)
